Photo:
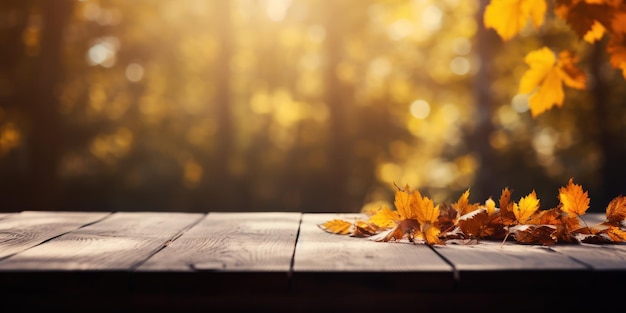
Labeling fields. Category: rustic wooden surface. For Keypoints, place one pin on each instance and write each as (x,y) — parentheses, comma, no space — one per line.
(27,229)
(323,259)
(283,262)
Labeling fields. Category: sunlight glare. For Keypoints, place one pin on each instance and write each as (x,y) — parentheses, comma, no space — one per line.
(276,10)
(400,29)
(431,18)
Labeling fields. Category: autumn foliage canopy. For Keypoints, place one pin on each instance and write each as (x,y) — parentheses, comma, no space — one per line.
(549,71)
(417,219)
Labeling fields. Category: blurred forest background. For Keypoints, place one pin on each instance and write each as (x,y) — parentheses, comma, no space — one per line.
(279,105)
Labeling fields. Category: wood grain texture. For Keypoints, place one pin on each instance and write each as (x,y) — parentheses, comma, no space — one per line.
(327,263)
(318,250)
(513,266)
(116,243)
(246,241)
(24,230)
(493,256)
(597,257)
(593,218)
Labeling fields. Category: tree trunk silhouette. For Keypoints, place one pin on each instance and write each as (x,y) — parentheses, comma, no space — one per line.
(611,173)
(46,141)
(485,184)
(338,152)
(221,180)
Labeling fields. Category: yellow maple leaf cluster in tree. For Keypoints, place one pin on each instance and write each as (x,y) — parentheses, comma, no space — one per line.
(417,219)
(591,20)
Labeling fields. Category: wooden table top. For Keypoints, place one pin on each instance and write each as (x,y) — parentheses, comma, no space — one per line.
(283,261)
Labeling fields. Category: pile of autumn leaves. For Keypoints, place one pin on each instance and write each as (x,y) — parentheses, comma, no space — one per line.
(418,219)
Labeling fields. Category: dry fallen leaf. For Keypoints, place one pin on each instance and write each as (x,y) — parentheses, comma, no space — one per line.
(535,234)
(574,200)
(337,226)
(417,218)
(616,211)
(463,206)
(526,207)
(385,218)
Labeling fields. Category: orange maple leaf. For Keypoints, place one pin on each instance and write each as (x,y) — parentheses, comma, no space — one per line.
(509,17)
(616,48)
(582,16)
(535,234)
(474,223)
(615,234)
(545,78)
(616,211)
(600,234)
(574,200)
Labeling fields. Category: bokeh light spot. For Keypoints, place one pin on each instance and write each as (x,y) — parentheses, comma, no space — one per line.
(460,66)
(134,72)
(520,103)
(420,109)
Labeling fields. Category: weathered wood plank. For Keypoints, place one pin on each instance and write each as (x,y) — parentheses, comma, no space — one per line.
(605,260)
(24,230)
(119,242)
(323,260)
(597,257)
(4,215)
(493,265)
(593,218)
(247,252)
(246,241)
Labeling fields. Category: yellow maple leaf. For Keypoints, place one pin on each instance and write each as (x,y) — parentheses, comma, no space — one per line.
(546,76)
(427,211)
(431,233)
(509,17)
(463,206)
(526,207)
(595,33)
(490,206)
(337,226)
(427,214)
(405,202)
(416,216)
(574,200)
(385,218)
